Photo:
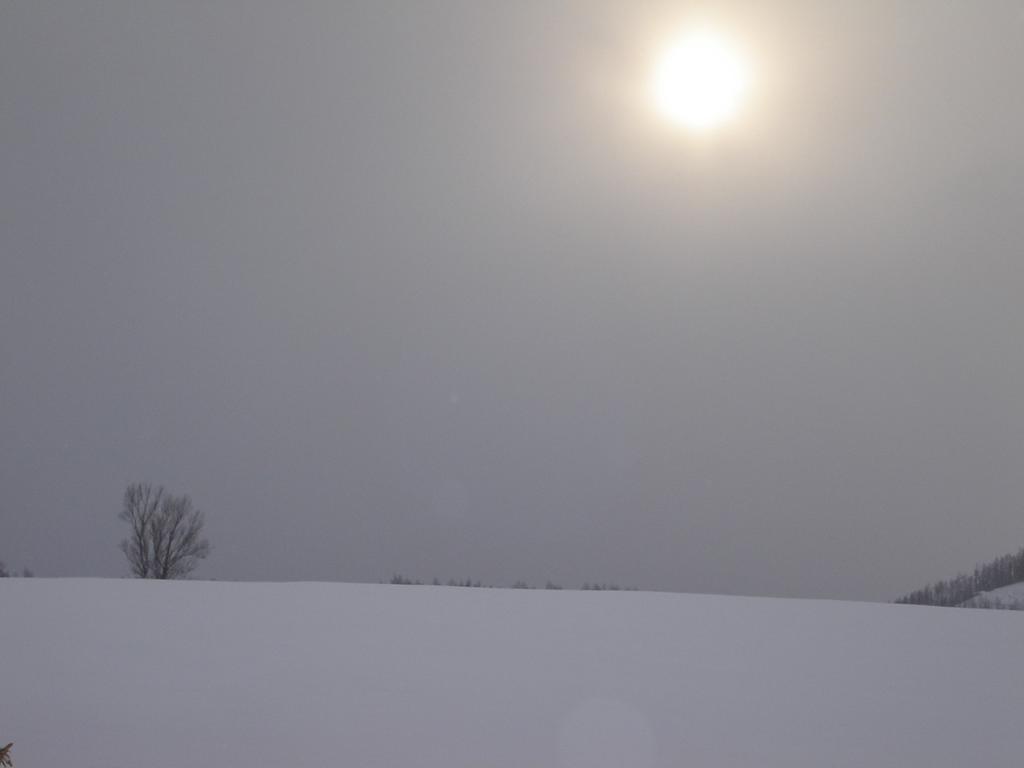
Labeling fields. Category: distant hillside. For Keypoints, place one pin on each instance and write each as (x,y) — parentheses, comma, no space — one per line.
(1010,597)
(975,590)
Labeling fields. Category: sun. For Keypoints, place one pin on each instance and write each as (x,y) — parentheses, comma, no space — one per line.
(700,81)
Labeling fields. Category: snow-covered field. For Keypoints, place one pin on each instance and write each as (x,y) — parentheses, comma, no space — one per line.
(129,674)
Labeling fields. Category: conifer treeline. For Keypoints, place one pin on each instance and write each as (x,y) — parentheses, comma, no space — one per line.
(1001,572)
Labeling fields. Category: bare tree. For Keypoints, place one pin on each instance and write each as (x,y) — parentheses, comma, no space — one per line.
(165,540)
(141,505)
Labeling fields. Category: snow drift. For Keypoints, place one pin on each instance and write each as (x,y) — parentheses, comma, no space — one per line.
(129,674)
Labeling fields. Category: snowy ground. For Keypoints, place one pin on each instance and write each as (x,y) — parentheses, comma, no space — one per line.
(128,674)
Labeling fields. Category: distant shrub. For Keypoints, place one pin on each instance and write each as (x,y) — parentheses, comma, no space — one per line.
(400,579)
(5,574)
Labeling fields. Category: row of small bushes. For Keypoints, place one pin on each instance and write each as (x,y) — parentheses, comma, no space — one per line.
(399,578)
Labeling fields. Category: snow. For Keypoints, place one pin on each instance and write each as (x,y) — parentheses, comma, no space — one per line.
(130,674)
(1010,596)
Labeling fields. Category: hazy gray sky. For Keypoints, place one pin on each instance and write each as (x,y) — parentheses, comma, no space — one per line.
(428,287)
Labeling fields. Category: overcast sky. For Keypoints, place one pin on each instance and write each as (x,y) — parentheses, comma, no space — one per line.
(428,287)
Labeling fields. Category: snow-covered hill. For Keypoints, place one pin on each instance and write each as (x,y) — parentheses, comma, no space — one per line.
(1009,597)
(129,674)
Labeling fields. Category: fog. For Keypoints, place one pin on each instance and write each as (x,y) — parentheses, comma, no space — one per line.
(428,288)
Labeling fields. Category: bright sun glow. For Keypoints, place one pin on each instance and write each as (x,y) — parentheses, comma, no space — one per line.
(701,81)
